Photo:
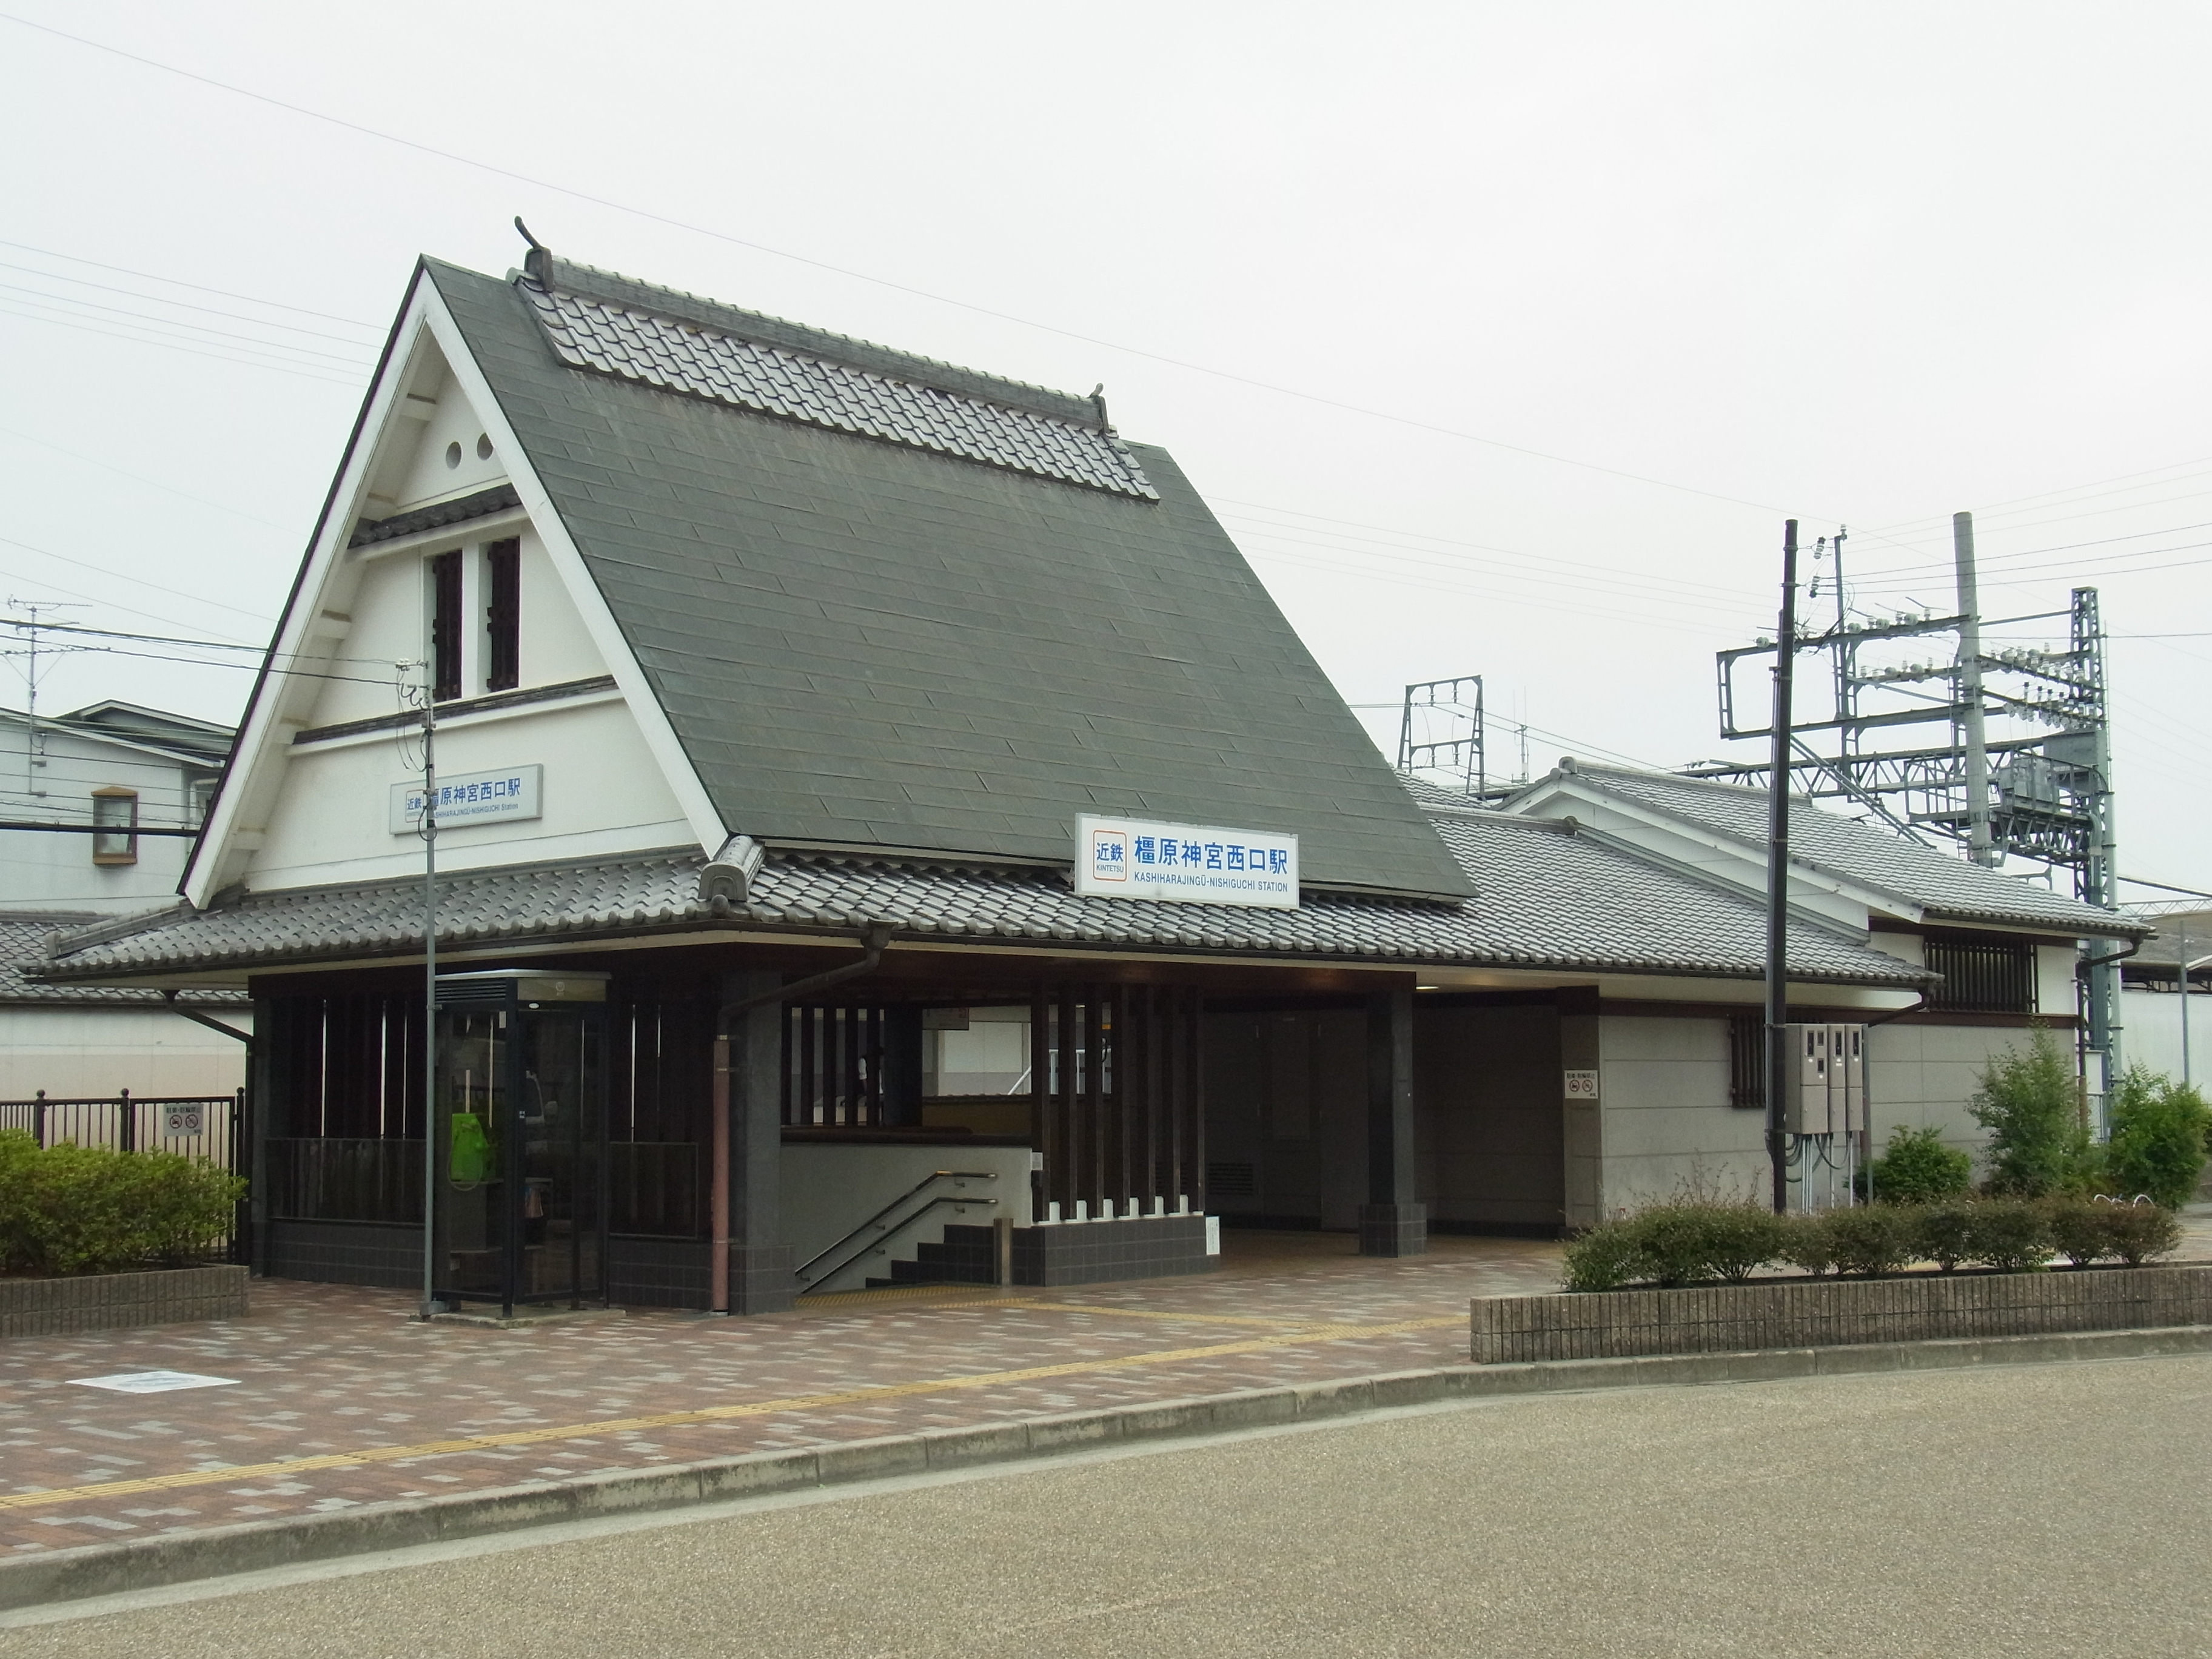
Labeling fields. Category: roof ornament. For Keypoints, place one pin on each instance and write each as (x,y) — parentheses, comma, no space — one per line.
(1098,403)
(537,264)
(728,878)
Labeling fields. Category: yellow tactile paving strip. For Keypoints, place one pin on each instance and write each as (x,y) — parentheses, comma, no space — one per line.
(287,1467)
(340,1397)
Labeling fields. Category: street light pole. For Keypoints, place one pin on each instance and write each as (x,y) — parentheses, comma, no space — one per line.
(429,834)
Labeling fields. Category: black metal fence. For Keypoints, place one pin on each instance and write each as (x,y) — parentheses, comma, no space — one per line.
(198,1126)
(210,1126)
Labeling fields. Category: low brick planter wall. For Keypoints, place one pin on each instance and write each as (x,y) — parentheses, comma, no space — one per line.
(1813,1313)
(109,1301)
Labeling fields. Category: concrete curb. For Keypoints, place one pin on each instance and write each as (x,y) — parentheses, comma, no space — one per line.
(109,1569)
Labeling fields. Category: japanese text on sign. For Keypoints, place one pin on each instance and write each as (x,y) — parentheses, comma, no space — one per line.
(471,798)
(1188,864)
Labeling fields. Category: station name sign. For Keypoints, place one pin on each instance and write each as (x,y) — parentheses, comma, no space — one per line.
(465,797)
(1185,863)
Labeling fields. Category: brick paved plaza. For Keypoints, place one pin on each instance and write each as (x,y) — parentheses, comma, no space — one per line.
(326,1371)
(361,1403)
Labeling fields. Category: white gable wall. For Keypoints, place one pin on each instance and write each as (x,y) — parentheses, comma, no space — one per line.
(616,780)
(602,795)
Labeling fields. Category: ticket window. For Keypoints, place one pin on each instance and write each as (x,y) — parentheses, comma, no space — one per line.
(519,1210)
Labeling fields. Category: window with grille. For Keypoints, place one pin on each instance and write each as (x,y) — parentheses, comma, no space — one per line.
(1747,1062)
(1981,974)
(115,824)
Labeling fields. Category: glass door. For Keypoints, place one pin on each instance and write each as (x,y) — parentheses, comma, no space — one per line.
(472,1144)
(560,1131)
(520,1133)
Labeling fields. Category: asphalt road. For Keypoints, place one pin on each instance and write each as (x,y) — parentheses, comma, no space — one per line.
(2049,1509)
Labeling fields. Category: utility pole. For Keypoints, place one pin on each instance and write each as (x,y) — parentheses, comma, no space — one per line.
(30,761)
(1978,845)
(1778,875)
(2099,880)
(2182,952)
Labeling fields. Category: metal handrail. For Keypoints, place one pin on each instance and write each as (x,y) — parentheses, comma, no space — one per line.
(893,1232)
(912,1192)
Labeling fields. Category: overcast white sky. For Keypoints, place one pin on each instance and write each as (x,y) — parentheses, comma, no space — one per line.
(1862,264)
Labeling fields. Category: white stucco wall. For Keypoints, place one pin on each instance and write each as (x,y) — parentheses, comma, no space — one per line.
(1665,1128)
(2150,1034)
(41,871)
(604,794)
(85,1052)
(1666,1125)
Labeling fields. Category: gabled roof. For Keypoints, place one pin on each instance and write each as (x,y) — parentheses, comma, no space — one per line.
(876,620)
(1945,889)
(23,936)
(1551,900)
(175,737)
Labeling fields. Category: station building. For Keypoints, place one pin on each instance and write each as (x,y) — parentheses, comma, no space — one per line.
(805,710)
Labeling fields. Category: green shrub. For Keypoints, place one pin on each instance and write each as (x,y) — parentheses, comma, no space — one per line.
(73,1209)
(17,1149)
(1605,1258)
(1916,1167)
(1943,1232)
(1688,1243)
(2078,1228)
(2011,1235)
(1807,1245)
(1872,1239)
(2158,1142)
(2031,1105)
(2136,1233)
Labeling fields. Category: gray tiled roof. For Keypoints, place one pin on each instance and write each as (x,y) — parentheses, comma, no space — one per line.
(1551,899)
(1947,888)
(871,644)
(590,333)
(23,945)
(436,516)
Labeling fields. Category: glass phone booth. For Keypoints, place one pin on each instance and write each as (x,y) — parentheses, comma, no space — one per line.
(520,1137)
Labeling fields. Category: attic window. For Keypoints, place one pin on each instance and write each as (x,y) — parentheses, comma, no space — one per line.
(115,821)
(444,570)
(503,615)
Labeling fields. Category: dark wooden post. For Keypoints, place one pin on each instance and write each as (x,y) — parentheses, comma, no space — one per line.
(1391,1222)
(756,1264)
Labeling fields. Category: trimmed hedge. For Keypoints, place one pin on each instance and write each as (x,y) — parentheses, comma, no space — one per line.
(1673,1244)
(66,1210)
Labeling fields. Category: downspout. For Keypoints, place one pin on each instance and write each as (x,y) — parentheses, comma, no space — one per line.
(874,938)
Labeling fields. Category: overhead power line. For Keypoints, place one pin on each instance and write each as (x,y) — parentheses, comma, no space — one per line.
(674,223)
(184,305)
(197,288)
(171,345)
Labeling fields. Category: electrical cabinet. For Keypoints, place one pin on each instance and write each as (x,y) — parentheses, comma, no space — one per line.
(1805,1100)
(1827,1079)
